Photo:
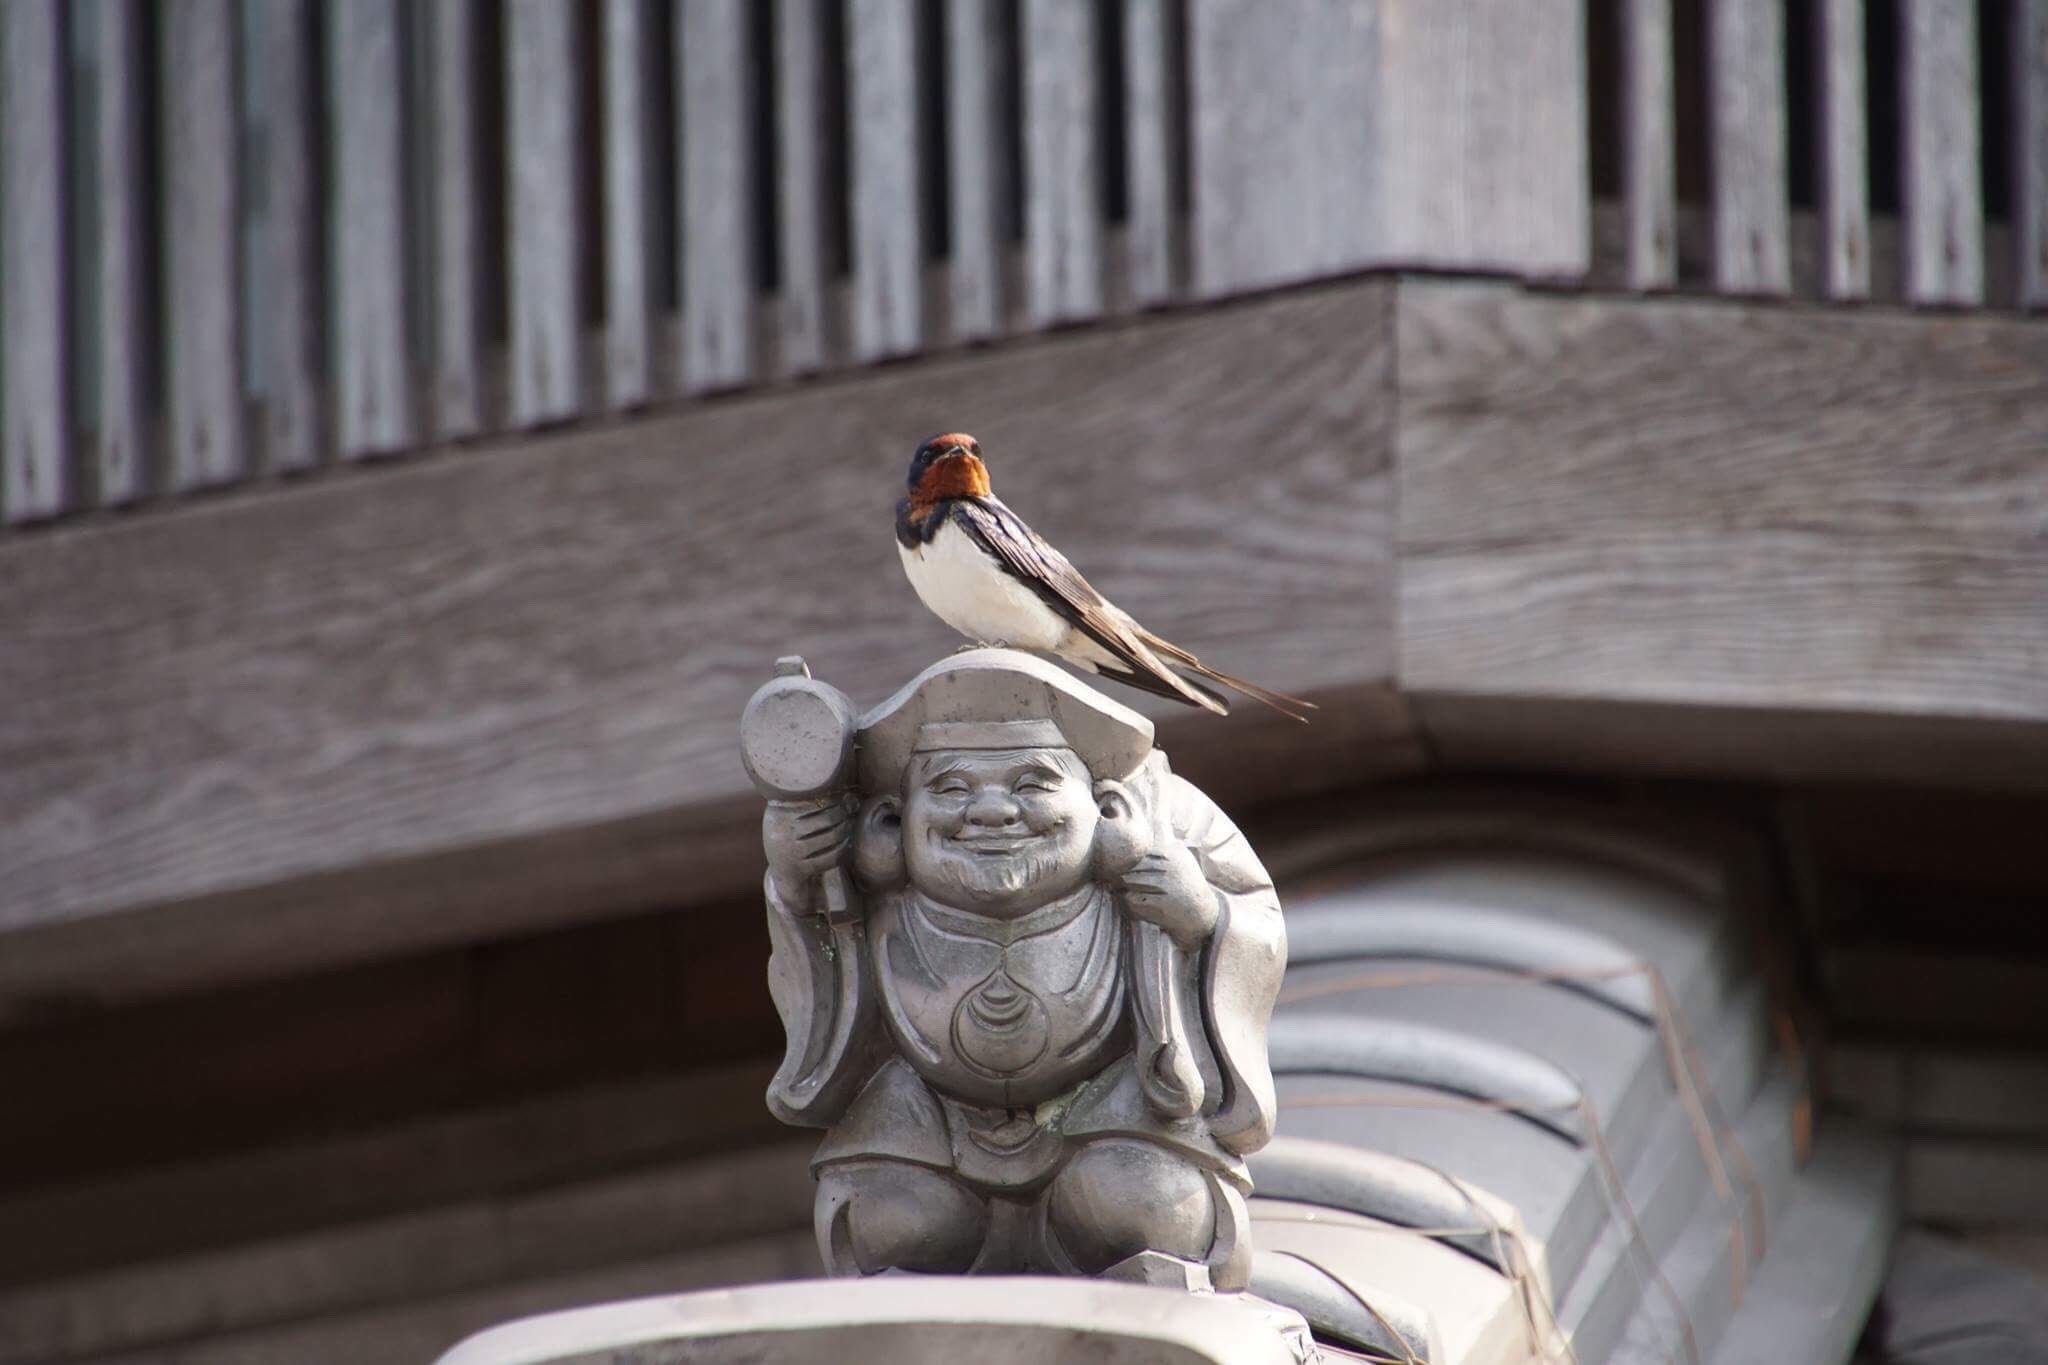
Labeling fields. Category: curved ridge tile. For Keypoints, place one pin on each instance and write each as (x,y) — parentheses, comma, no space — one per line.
(1531,1087)
(1334,1312)
(1482,822)
(1392,1189)
(1340,927)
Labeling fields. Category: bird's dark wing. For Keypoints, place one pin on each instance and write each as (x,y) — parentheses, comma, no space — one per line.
(1059,584)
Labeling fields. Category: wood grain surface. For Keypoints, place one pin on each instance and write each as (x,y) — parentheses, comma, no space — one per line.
(544,146)
(283,302)
(717,213)
(1649,163)
(630,67)
(35,443)
(1746,84)
(457,251)
(1285,151)
(2028,44)
(885,175)
(1940,186)
(201,244)
(373,407)
(550,642)
(1718,506)
(803,188)
(1844,162)
(1063,208)
(113,348)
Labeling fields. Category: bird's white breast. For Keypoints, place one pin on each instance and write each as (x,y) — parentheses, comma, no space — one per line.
(967,589)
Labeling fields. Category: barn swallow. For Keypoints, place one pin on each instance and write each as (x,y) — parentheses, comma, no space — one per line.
(992,578)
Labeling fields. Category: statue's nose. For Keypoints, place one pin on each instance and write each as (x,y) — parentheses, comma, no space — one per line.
(992,806)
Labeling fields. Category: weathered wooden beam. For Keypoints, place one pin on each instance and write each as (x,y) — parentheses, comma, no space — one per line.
(1940,188)
(36,478)
(113,332)
(1746,85)
(1482,136)
(975,151)
(544,146)
(1154,104)
(283,306)
(202,243)
(628,222)
(373,402)
(1649,164)
(803,202)
(1410,132)
(1695,505)
(1063,208)
(717,211)
(1844,158)
(1286,158)
(457,252)
(2028,43)
(542,647)
(885,179)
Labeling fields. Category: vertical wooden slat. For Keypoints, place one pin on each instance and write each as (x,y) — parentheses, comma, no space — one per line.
(33,321)
(1150,111)
(373,404)
(886,178)
(1483,136)
(804,217)
(201,239)
(975,181)
(119,273)
(1844,150)
(1940,186)
(458,242)
(2029,43)
(1649,157)
(1746,78)
(543,142)
(717,195)
(284,292)
(1287,163)
(1063,225)
(628,300)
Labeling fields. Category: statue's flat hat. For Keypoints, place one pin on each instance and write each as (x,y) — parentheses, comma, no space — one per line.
(999,699)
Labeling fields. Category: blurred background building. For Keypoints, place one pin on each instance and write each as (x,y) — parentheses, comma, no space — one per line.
(423,424)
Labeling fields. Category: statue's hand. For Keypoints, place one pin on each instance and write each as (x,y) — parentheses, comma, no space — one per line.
(1167,888)
(804,840)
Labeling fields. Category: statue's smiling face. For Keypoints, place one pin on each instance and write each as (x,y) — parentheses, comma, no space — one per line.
(1001,831)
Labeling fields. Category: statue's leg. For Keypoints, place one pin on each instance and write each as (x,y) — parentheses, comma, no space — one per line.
(881,1215)
(1117,1197)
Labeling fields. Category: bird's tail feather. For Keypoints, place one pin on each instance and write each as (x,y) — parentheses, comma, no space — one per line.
(1186,663)
(1170,685)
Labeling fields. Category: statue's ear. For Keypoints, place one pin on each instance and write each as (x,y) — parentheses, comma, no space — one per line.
(878,844)
(1114,800)
(1121,838)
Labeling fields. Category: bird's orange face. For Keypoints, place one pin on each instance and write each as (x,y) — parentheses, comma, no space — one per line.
(948,466)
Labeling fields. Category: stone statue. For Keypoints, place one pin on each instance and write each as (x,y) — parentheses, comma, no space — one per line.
(1033,1019)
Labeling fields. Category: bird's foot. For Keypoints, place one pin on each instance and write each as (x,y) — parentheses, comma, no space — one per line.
(982,644)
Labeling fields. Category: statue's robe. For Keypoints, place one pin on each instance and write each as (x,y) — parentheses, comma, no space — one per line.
(989,1048)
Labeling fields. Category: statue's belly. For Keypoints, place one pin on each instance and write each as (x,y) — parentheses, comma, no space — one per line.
(1007,1025)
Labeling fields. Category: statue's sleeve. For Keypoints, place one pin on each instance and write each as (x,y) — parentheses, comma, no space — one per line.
(823,987)
(1241,968)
